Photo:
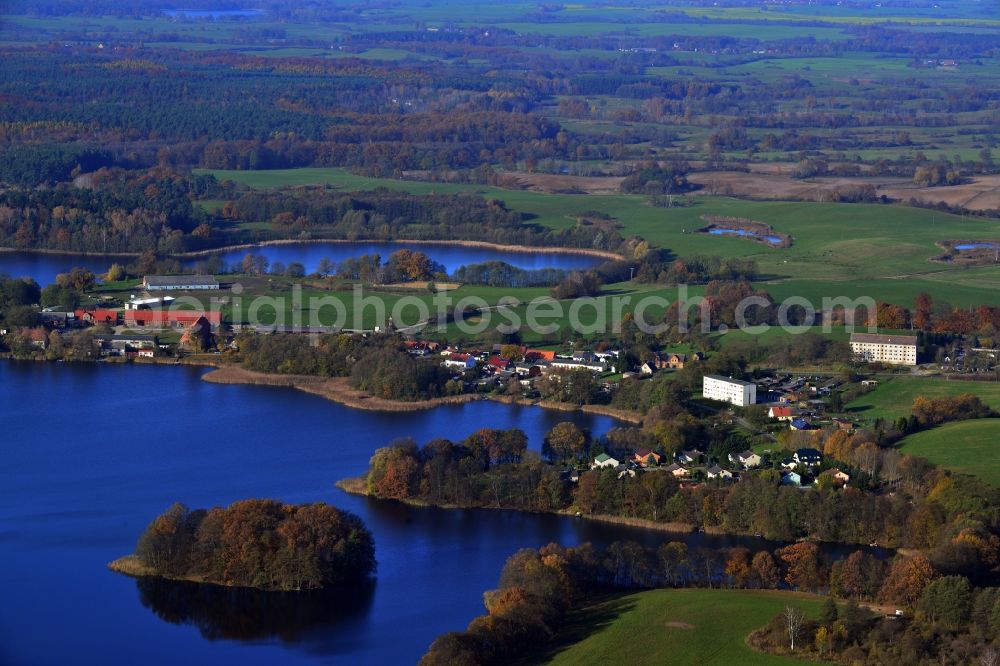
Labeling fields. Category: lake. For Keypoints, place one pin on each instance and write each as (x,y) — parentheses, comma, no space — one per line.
(92,453)
(44,267)
(450,256)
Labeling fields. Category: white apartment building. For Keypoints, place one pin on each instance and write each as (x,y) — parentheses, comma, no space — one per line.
(727,389)
(893,349)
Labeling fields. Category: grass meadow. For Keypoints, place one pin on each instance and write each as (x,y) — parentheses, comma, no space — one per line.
(971,447)
(678,627)
(893,397)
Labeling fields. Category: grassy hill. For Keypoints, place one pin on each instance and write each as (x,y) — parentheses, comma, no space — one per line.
(971,447)
(679,627)
(894,397)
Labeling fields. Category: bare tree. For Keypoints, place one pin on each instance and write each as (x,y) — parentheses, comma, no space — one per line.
(990,657)
(793,623)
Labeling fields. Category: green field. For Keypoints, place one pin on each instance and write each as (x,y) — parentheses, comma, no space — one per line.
(971,447)
(678,627)
(881,251)
(894,396)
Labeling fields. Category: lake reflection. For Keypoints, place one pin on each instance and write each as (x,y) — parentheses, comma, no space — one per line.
(249,615)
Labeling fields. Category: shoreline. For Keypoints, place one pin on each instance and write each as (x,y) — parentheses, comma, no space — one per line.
(337,389)
(355,485)
(499,247)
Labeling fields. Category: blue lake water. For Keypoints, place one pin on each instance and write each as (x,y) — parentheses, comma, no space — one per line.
(44,267)
(977,246)
(774,240)
(450,256)
(91,453)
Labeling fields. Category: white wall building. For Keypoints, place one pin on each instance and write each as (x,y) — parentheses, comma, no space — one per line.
(892,349)
(727,389)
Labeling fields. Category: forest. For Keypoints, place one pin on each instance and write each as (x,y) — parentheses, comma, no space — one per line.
(260,544)
(119,211)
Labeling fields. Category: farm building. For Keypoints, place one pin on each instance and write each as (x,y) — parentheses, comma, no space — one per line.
(179,282)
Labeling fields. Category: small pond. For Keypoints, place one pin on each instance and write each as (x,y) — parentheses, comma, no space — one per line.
(984,245)
(773,240)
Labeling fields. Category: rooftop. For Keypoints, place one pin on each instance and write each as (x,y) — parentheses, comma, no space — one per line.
(730,380)
(879,339)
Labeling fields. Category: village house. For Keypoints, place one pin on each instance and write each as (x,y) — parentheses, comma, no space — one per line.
(689,456)
(37,337)
(498,364)
(56,319)
(675,361)
(528,369)
(564,363)
(748,459)
(791,479)
(808,457)
(604,460)
(799,424)
(646,458)
(647,368)
(606,355)
(843,424)
(837,477)
(420,347)
(99,316)
(783,412)
(128,344)
(677,471)
(609,385)
(624,470)
(716,472)
(460,362)
(198,336)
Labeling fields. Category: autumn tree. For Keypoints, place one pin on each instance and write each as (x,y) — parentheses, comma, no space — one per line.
(566,442)
(764,571)
(923,311)
(906,581)
(393,471)
(804,568)
(738,566)
(857,576)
